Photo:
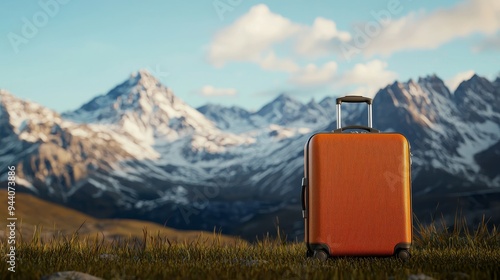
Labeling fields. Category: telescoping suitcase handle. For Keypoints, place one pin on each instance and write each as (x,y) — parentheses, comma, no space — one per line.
(354,99)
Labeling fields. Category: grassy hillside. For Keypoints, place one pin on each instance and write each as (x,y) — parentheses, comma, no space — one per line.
(46,220)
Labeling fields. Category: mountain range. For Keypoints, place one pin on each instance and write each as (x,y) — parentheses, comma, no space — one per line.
(140,152)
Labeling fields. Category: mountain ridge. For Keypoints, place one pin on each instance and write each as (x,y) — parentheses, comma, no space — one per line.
(141,152)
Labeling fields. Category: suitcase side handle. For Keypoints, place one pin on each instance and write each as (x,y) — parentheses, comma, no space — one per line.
(303,196)
(369,129)
(354,99)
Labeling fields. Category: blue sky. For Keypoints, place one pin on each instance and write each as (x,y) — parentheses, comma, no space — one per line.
(61,53)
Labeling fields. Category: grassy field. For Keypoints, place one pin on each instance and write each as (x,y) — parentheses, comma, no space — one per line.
(51,238)
(452,253)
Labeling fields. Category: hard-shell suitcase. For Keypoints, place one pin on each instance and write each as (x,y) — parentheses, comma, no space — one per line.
(356,191)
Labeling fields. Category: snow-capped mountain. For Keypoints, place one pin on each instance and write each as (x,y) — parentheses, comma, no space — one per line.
(53,156)
(283,117)
(446,130)
(283,111)
(478,100)
(234,119)
(447,142)
(144,109)
(141,152)
(454,151)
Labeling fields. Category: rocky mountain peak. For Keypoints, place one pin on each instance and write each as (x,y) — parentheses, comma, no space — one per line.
(284,103)
(496,82)
(145,109)
(142,95)
(20,113)
(434,85)
(429,78)
(478,97)
(283,97)
(141,84)
(143,78)
(282,110)
(476,83)
(313,103)
(143,74)
(4,92)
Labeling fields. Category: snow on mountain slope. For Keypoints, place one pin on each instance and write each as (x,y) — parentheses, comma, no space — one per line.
(478,100)
(93,167)
(282,110)
(478,104)
(34,123)
(143,108)
(53,155)
(283,117)
(442,137)
(234,119)
(288,112)
(442,134)
(22,115)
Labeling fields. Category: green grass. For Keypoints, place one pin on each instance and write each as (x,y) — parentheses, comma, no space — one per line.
(439,252)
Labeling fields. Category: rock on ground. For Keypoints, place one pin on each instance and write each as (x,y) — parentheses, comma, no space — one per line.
(70,275)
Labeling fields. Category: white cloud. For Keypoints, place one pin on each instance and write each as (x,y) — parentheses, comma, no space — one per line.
(314,75)
(454,82)
(367,91)
(250,36)
(253,37)
(320,38)
(431,30)
(363,79)
(370,77)
(273,63)
(373,72)
(209,90)
(256,36)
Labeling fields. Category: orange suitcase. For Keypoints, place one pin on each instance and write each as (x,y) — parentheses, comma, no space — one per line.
(356,191)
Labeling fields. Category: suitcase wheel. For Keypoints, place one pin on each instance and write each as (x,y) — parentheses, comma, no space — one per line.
(320,255)
(403,254)
(309,253)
